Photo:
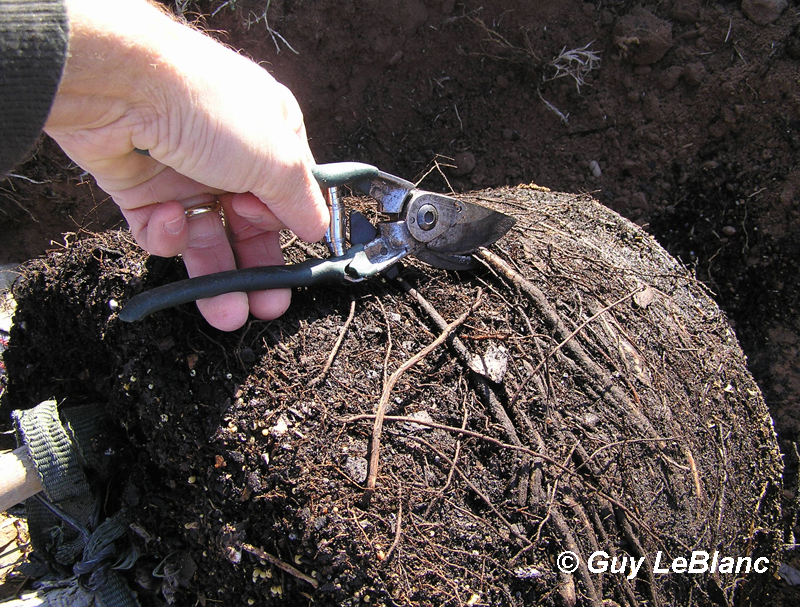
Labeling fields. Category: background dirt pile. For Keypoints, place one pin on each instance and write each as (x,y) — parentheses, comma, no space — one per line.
(689,126)
(611,410)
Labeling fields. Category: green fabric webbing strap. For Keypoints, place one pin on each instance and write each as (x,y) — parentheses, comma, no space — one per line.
(87,427)
(63,481)
(52,451)
(60,453)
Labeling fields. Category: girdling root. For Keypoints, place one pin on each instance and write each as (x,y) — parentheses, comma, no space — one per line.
(375,445)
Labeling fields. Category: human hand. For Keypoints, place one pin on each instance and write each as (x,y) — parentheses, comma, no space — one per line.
(215,124)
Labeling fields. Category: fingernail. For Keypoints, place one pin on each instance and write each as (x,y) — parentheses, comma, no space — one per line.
(253,218)
(176,225)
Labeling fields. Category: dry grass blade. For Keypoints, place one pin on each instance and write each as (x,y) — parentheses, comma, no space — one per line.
(576,64)
(266,556)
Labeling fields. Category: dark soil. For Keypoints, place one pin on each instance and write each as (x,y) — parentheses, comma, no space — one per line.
(625,421)
(699,146)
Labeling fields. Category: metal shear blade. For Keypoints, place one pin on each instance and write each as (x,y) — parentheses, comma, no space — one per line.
(439,230)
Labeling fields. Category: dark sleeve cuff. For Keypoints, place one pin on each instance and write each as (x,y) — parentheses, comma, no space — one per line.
(33,51)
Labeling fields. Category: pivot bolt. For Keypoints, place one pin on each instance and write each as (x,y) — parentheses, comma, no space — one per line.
(427,217)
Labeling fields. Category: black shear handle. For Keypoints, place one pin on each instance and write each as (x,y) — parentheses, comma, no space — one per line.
(311,272)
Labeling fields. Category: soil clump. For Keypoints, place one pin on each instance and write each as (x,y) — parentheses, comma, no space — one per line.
(587,394)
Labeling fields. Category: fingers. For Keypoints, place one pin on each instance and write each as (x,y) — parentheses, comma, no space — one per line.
(226,312)
(292,193)
(160,229)
(209,252)
(286,189)
(296,200)
(247,213)
(208,247)
(256,245)
(248,135)
(212,122)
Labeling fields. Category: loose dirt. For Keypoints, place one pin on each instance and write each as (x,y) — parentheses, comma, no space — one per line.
(689,126)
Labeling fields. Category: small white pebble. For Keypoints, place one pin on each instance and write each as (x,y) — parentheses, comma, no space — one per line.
(594,167)
(113,304)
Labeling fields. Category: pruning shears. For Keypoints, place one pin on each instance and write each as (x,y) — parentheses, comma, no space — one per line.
(434,228)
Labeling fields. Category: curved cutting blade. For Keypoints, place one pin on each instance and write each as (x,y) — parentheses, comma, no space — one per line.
(448,229)
(477,226)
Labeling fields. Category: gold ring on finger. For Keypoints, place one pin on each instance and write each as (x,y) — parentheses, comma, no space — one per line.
(201,209)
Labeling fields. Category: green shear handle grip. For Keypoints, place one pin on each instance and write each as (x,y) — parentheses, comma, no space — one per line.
(343,173)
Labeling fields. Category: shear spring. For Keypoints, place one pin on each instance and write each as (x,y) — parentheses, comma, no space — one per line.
(335,237)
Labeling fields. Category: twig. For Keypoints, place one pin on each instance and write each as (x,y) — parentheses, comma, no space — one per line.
(582,326)
(388,340)
(273,34)
(603,380)
(307,250)
(478,519)
(472,486)
(438,167)
(453,429)
(358,524)
(630,441)
(560,524)
(28,179)
(461,350)
(435,551)
(336,346)
(639,551)
(387,389)
(10,196)
(698,485)
(484,389)
(461,124)
(564,117)
(289,242)
(266,556)
(551,499)
(223,5)
(564,342)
